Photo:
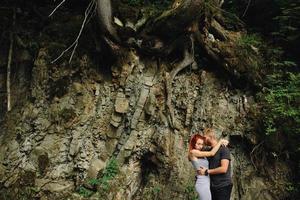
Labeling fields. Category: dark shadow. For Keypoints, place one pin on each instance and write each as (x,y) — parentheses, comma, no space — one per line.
(148,167)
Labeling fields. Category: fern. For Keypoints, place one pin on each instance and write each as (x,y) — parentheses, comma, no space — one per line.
(282,102)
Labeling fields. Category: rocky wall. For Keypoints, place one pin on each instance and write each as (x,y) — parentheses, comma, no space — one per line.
(76,121)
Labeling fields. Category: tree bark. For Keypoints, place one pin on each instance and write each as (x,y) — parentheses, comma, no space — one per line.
(104,13)
(172,23)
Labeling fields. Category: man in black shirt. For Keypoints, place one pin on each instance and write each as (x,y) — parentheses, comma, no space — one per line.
(219,169)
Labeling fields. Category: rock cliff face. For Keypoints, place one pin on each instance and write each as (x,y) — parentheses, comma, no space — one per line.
(94,131)
(77,119)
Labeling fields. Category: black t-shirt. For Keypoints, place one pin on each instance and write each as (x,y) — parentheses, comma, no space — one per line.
(220,180)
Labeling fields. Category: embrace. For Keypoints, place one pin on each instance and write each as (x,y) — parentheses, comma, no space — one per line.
(213,167)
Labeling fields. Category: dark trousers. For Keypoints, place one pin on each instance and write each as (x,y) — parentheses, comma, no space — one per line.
(222,193)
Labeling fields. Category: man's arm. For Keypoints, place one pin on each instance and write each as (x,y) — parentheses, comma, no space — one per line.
(224,163)
(219,170)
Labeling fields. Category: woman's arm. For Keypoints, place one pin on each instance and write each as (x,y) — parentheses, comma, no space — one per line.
(210,153)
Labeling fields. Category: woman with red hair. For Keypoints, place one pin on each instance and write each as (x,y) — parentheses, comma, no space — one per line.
(198,158)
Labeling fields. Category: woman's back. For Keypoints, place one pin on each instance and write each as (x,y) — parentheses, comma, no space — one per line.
(199,162)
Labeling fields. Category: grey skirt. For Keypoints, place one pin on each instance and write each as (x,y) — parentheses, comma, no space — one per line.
(202,186)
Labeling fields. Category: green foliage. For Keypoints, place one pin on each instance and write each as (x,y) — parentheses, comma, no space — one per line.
(280,95)
(281,100)
(156,190)
(248,40)
(287,20)
(102,183)
(152,192)
(190,192)
(85,192)
(249,51)
(94,182)
(293,189)
(109,173)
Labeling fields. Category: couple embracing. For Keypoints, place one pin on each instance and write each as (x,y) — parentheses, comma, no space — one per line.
(213,167)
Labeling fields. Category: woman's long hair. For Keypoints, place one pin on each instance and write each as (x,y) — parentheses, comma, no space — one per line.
(194,139)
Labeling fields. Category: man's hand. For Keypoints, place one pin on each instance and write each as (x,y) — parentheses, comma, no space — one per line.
(201,171)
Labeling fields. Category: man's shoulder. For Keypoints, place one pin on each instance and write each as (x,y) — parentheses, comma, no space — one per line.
(223,148)
(225,152)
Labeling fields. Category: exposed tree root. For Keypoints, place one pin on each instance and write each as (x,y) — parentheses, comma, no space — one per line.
(9,61)
(62,2)
(89,12)
(169,77)
(254,153)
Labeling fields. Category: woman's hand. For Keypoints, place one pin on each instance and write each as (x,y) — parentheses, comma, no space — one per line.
(224,142)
